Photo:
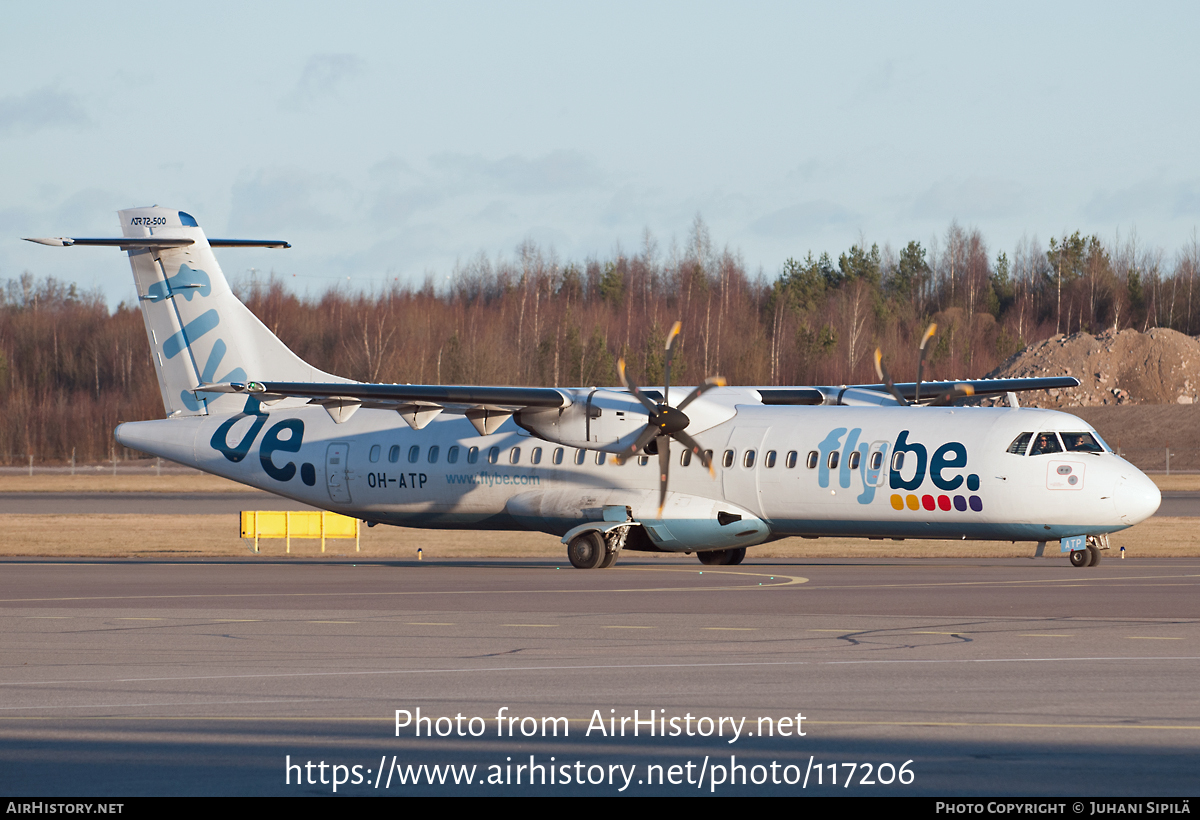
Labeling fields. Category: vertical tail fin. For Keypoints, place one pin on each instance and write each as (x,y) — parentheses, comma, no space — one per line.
(199,331)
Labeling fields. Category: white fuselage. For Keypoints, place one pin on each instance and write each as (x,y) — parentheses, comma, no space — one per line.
(375,467)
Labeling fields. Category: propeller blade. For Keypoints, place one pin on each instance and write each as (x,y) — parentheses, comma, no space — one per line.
(633,388)
(709,383)
(960,391)
(664,470)
(882,370)
(647,435)
(671,337)
(929,331)
(690,443)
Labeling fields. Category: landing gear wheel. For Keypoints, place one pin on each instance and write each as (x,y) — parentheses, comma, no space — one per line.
(1081,558)
(736,556)
(1095,553)
(586,551)
(610,558)
(711,558)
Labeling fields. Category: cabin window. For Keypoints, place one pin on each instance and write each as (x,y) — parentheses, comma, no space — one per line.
(414,453)
(1020,444)
(769,461)
(375,451)
(394,453)
(535,456)
(748,459)
(727,459)
(472,455)
(493,455)
(897,462)
(643,461)
(685,458)
(812,459)
(433,454)
(1044,444)
(580,455)
(452,455)
(1081,443)
(790,461)
(514,455)
(599,458)
(833,459)
(876,460)
(708,455)
(558,455)
(855,457)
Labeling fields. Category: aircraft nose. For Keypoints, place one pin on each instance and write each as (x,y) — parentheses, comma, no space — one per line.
(1137,498)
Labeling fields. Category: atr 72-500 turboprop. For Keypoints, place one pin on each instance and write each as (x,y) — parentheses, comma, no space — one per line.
(596,465)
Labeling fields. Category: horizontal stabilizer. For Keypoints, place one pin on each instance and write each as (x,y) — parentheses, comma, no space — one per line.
(126,242)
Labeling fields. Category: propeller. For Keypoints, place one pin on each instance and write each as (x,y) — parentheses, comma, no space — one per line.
(929,331)
(882,370)
(666,422)
(959,391)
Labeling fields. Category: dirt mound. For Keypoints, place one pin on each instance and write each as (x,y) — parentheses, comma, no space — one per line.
(1158,367)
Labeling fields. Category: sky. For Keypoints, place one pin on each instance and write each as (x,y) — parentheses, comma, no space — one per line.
(394,141)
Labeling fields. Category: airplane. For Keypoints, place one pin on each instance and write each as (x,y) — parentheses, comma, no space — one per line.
(754,464)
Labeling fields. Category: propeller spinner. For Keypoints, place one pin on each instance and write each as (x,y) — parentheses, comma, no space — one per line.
(666,422)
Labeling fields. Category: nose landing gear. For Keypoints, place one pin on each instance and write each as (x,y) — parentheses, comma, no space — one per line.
(1090,555)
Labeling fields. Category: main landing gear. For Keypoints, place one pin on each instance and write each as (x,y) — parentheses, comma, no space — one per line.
(1090,555)
(729,557)
(594,550)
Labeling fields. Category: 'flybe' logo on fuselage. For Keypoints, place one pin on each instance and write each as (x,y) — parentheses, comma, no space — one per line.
(842,451)
(283,437)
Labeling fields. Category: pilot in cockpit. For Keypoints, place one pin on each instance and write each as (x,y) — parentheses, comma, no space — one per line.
(1045,443)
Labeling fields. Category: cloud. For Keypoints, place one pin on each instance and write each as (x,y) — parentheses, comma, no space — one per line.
(802,218)
(1150,197)
(555,172)
(323,77)
(971,198)
(399,192)
(41,109)
(875,84)
(279,199)
(393,207)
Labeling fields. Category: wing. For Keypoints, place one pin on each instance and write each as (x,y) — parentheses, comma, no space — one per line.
(930,391)
(489,407)
(485,407)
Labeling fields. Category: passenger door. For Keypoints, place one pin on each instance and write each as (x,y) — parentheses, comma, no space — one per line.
(337,472)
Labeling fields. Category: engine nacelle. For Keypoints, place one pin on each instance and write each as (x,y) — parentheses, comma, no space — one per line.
(688,522)
(598,420)
(860,397)
(611,420)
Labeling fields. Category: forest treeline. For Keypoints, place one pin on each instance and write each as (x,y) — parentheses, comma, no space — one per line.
(71,369)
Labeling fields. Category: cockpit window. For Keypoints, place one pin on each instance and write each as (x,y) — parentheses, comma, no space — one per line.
(1081,443)
(1044,444)
(1020,444)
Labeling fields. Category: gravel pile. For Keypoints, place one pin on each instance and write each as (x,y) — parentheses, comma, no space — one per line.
(1160,366)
